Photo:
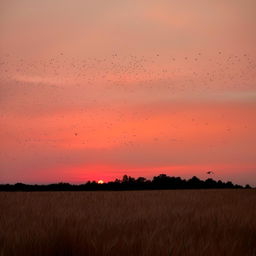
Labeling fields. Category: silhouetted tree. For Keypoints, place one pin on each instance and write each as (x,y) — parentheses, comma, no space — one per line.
(229,184)
(140,180)
(162,181)
(194,182)
(210,183)
(125,179)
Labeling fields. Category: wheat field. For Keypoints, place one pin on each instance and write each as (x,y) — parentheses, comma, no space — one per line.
(174,222)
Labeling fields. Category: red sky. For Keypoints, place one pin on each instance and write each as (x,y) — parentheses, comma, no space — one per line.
(98,89)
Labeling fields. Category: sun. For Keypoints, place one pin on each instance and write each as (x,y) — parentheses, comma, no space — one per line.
(100,181)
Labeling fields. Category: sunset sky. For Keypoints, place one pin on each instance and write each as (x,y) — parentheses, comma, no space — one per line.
(97,89)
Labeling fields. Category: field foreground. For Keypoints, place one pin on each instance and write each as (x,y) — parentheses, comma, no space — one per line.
(174,222)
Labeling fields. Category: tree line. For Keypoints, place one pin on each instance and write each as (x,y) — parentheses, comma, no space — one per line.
(161,181)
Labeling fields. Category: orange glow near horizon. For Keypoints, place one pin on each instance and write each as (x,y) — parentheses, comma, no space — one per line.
(88,93)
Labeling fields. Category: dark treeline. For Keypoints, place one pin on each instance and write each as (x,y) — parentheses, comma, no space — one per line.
(161,181)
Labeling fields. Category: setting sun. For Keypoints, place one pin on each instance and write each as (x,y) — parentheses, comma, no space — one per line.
(100,182)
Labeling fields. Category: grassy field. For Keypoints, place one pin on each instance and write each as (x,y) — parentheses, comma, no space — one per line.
(181,222)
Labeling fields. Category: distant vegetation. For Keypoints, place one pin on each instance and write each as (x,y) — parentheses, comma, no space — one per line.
(161,181)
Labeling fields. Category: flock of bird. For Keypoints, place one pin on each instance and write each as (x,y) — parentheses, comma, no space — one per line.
(121,71)
(41,87)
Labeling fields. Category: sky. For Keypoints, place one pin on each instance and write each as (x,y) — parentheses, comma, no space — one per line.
(94,90)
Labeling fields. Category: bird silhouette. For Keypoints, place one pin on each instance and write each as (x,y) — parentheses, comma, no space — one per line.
(210,172)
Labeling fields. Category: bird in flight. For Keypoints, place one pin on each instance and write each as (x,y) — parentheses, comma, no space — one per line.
(210,172)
